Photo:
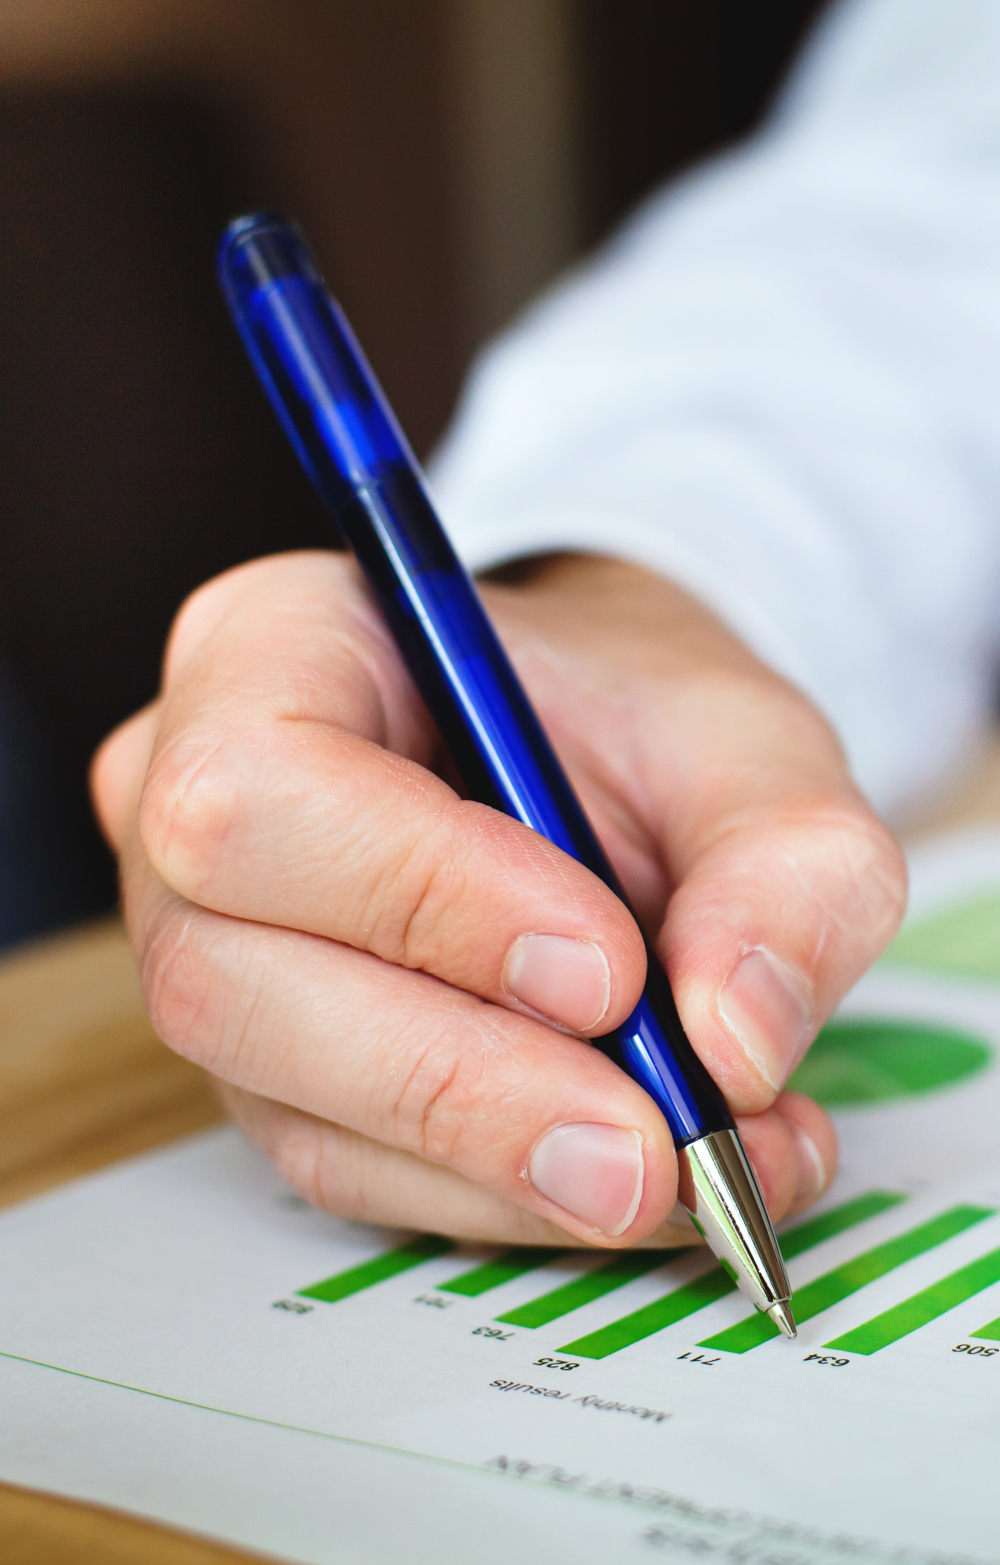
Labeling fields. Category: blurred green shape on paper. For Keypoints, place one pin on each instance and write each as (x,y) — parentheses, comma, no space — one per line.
(962,939)
(858,1060)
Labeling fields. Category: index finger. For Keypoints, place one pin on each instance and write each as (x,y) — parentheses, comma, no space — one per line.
(272,796)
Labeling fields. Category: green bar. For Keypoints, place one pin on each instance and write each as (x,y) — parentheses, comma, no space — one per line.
(593,1285)
(342,1284)
(653,1317)
(923,1307)
(990,1333)
(714,1284)
(512,1263)
(844,1280)
(837,1221)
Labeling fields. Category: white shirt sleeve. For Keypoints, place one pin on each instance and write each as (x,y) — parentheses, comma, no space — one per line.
(780,386)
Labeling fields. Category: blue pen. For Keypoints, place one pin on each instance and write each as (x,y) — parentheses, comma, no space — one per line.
(347,437)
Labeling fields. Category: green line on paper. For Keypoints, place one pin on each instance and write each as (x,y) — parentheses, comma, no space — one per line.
(715,1284)
(512,1263)
(923,1307)
(592,1285)
(990,1333)
(343,1284)
(875,1059)
(844,1280)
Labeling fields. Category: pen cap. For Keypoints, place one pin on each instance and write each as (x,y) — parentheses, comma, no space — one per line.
(309,360)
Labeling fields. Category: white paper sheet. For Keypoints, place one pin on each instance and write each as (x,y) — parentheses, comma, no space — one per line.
(157,1351)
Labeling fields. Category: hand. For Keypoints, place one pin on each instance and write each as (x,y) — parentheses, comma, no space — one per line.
(395,985)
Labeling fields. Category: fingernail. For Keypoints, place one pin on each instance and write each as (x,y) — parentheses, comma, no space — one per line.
(593,1171)
(567,980)
(812,1171)
(766,1006)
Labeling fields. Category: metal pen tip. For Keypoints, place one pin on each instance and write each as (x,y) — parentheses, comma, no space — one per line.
(781,1314)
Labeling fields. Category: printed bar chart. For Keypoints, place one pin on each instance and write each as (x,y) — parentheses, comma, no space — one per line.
(845,1280)
(511,1264)
(989,1333)
(695,1294)
(592,1285)
(923,1307)
(715,1284)
(342,1284)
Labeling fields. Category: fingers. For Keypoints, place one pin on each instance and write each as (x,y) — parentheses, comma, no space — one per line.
(361,1179)
(364,1180)
(717,780)
(541,1120)
(793,1150)
(271,797)
(788,885)
(384,1096)
(788,890)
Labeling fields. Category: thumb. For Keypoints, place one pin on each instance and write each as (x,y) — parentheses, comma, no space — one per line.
(788,885)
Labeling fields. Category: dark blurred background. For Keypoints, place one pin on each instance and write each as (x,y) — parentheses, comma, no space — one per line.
(447,157)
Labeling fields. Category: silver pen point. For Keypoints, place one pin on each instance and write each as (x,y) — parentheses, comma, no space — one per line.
(718,1188)
(781,1314)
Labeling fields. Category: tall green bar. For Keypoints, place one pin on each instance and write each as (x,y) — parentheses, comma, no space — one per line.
(715,1284)
(491,1274)
(694,1295)
(922,1308)
(844,1280)
(342,1284)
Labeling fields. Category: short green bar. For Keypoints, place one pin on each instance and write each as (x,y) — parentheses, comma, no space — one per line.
(513,1263)
(714,1284)
(343,1284)
(990,1333)
(593,1285)
(923,1307)
(844,1280)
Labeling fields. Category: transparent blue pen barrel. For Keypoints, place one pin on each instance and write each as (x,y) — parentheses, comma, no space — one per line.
(347,437)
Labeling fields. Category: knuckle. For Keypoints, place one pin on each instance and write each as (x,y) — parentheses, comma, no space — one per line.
(458,1102)
(173,978)
(439,885)
(186,810)
(201,976)
(870,862)
(416,892)
(450,1096)
(297,1153)
(329,1166)
(456,886)
(430,1105)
